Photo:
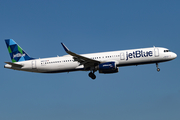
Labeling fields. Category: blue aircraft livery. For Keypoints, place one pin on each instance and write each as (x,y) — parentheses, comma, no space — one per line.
(17,54)
(104,62)
(138,54)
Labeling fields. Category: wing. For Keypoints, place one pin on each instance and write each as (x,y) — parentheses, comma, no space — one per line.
(87,62)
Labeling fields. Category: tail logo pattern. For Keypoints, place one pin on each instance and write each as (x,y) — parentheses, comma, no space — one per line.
(17,54)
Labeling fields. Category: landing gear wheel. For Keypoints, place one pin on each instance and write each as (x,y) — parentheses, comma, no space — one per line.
(92,75)
(158,69)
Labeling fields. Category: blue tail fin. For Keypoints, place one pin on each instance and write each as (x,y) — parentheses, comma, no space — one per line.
(17,54)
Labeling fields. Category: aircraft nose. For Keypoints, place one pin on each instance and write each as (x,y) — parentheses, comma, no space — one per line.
(174,55)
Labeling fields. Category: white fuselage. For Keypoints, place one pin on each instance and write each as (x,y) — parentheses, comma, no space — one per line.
(121,58)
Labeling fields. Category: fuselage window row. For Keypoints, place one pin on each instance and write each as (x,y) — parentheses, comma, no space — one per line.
(74,61)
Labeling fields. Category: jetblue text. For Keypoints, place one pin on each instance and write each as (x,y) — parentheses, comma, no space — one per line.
(138,54)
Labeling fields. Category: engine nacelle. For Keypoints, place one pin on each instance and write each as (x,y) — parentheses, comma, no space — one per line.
(108,67)
(109,71)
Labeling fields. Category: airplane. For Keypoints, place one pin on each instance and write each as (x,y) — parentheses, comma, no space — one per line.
(104,62)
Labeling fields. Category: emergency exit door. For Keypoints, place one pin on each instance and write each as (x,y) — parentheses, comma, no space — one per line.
(122,57)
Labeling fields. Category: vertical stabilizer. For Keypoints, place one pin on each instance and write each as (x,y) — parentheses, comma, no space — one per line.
(17,54)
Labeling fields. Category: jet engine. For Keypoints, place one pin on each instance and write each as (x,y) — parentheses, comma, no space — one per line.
(108,67)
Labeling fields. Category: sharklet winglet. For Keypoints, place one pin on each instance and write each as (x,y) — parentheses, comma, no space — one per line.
(65,48)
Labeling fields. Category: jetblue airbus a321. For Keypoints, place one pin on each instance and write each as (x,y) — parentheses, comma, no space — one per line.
(104,62)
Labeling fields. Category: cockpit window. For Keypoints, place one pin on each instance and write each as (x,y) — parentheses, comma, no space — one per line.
(166,50)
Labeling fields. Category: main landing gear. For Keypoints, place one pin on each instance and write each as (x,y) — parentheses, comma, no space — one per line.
(92,75)
(158,69)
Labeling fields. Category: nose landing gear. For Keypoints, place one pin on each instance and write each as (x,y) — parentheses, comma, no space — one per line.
(158,69)
(92,75)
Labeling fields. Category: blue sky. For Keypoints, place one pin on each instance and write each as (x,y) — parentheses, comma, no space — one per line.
(136,92)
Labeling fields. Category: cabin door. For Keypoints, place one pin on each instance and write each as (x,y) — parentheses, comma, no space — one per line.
(156,52)
(33,64)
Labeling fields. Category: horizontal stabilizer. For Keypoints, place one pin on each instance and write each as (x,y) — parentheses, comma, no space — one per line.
(14,64)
